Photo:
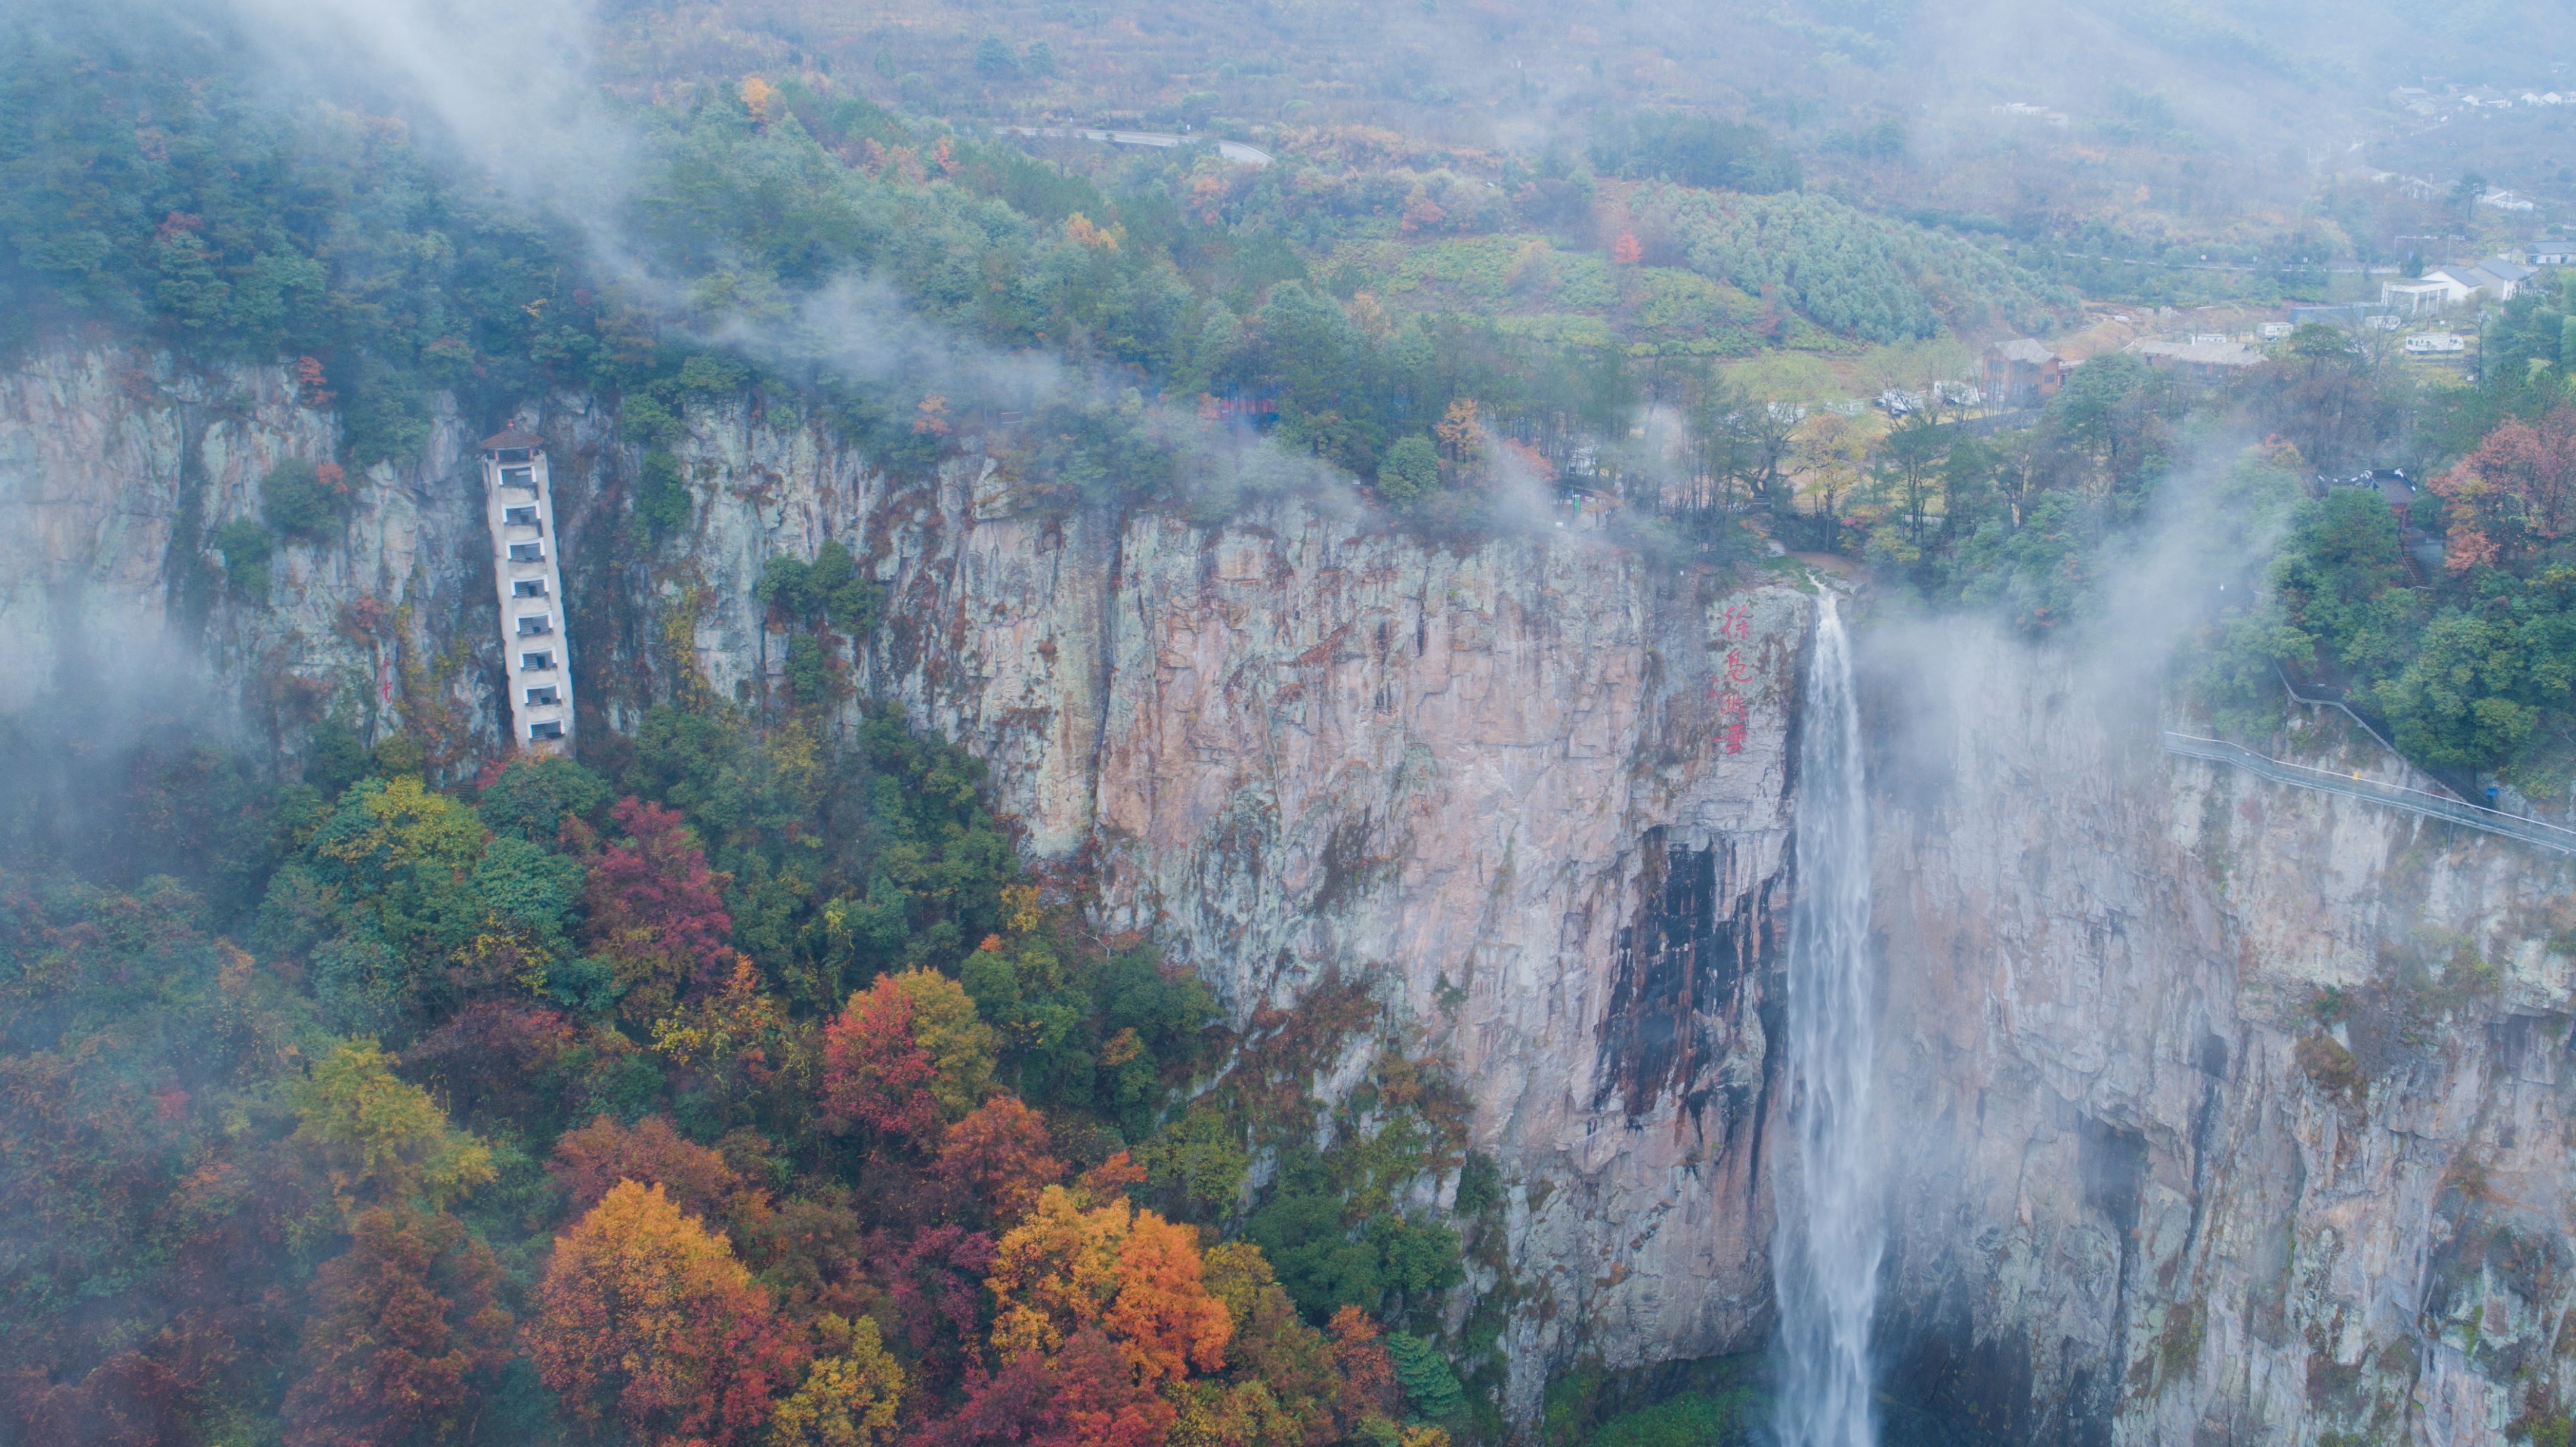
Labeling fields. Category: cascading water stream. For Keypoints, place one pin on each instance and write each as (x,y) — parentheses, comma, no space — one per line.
(1826,1247)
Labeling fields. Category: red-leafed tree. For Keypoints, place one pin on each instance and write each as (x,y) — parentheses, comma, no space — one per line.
(589,1162)
(938,1291)
(405,1331)
(2517,491)
(874,1073)
(489,1058)
(1015,1407)
(1102,1400)
(646,1316)
(656,911)
(994,1162)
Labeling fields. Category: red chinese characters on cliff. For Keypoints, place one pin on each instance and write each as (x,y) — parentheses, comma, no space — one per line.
(1736,628)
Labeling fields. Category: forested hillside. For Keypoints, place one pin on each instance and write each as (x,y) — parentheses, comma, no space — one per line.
(230,224)
(751,1091)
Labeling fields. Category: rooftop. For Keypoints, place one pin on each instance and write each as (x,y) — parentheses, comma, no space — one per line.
(512,437)
(2220,353)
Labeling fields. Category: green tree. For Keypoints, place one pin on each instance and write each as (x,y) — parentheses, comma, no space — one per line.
(532,797)
(1411,471)
(380,1138)
(1429,1386)
(245,548)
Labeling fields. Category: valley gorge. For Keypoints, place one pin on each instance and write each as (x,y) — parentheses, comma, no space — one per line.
(2213,1111)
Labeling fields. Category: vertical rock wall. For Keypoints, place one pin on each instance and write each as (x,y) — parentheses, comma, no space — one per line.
(1532,793)
(117,467)
(2227,1112)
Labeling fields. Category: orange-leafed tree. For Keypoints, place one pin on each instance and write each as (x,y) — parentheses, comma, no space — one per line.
(404,1336)
(1128,1273)
(645,1316)
(994,1163)
(1368,1369)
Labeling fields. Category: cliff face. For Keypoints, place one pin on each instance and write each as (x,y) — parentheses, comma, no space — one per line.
(1532,793)
(116,468)
(2218,1111)
(2224,1111)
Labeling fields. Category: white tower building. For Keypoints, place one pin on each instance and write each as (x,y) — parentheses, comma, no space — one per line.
(521,511)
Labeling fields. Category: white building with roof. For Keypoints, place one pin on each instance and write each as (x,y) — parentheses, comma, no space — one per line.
(2497,279)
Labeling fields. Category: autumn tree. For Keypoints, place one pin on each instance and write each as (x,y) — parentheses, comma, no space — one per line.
(726,1035)
(1127,1272)
(1368,1386)
(907,1055)
(1101,1399)
(656,911)
(645,1316)
(491,1058)
(938,1296)
(589,1162)
(1462,437)
(994,1163)
(850,1391)
(2515,493)
(404,1331)
(875,1075)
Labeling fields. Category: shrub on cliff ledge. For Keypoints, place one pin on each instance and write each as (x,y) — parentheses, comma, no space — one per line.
(244,546)
(302,500)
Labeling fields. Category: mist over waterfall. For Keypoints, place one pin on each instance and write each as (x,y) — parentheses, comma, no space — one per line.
(1827,1244)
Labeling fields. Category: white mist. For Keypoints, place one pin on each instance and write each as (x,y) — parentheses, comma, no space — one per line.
(1826,1247)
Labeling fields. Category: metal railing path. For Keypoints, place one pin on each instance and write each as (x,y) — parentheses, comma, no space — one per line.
(2414,801)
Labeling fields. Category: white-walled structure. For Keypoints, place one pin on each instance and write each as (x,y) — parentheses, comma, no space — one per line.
(521,511)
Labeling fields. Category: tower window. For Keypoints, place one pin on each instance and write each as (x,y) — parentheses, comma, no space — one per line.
(536,662)
(545,694)
(519,477)
(550,729)
(535,625)
(523,516)
(528,588)
(527,552)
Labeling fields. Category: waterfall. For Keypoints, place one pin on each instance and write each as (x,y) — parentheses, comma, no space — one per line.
(1826,1246)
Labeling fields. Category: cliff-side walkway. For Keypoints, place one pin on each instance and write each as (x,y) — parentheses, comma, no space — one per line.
(2414,801)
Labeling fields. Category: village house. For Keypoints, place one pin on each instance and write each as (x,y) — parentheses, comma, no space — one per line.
(2449,286)
(2552,251)
(2021,373)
